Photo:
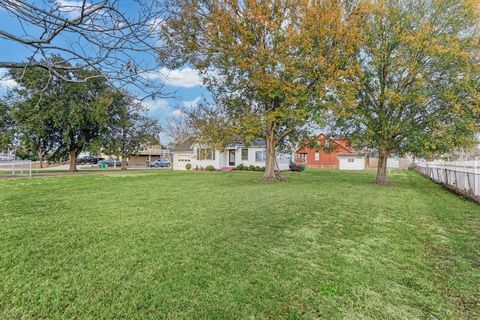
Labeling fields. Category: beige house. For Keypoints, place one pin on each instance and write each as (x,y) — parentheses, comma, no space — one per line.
(149,154)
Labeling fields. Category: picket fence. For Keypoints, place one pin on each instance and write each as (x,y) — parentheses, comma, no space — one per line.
(461,176)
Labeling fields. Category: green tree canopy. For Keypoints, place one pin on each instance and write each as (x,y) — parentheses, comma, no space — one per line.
(33,114)
(6,124)
(67,116)
(418,90)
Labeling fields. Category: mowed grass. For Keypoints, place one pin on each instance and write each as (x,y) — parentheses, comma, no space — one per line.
(179,245)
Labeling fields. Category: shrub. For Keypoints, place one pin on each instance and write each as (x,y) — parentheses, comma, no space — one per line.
(296,167)
(209,168)
(188,166)
(241,167)
(257,168)
(251,167)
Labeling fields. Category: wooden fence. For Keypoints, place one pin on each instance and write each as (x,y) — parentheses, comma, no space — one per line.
(463,177)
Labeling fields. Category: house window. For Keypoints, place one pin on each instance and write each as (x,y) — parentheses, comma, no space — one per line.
(351,160)
(260,156)
(317,156)
(205,154)
(244,154)
(302,157)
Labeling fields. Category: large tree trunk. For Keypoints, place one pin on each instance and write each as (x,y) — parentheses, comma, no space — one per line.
(382,167)
(73,161)
(124,164)
(271,174)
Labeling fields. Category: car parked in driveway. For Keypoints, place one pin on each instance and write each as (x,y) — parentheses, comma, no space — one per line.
(159,163)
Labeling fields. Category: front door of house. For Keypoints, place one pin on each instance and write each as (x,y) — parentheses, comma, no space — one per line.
(231,158)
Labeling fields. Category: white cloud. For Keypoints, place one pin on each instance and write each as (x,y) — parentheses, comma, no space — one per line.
(71,6)
(156,25)
(159,104)
(177,113)
(6,83)
(192,103)
(183,78)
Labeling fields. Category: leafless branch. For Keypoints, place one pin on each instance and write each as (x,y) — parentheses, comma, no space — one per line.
(120,43)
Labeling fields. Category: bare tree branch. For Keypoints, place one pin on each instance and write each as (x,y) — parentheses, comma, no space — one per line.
(120,43)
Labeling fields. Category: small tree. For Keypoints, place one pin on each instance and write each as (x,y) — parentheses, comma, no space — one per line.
(179,130)
(418,89)
(130,131)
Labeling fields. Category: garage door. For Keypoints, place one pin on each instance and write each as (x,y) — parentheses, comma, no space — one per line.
(180,162)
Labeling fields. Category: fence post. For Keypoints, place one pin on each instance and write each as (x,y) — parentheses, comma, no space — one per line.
(476,187)
(30,169)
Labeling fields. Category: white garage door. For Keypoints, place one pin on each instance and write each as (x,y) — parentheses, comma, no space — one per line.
(179,162)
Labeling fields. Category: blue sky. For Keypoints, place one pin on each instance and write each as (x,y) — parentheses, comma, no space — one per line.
(184,82)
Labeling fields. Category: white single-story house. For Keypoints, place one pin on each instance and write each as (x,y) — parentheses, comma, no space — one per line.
(201,156)
(351,161)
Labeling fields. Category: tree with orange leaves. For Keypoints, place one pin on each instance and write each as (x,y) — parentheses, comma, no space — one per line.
(269,64)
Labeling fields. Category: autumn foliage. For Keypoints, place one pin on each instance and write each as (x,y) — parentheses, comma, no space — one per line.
(396,76)
(269,64)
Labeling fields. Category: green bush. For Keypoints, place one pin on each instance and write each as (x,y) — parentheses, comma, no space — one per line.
(209,168)
(296,167)
(257,168)
(241,167)
(188,166)
(251,167)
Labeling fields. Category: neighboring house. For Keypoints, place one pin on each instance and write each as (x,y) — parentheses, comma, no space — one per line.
(326,155)
(200,156)
(148,154)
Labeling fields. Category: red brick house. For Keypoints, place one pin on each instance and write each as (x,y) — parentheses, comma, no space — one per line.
(325,155)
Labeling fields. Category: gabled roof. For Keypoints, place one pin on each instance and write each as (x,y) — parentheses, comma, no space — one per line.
(332,139)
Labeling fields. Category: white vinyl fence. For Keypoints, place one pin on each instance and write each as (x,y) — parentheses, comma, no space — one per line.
(15,167)
(462,176)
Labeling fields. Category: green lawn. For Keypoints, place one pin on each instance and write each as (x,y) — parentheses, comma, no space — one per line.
(326,244)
